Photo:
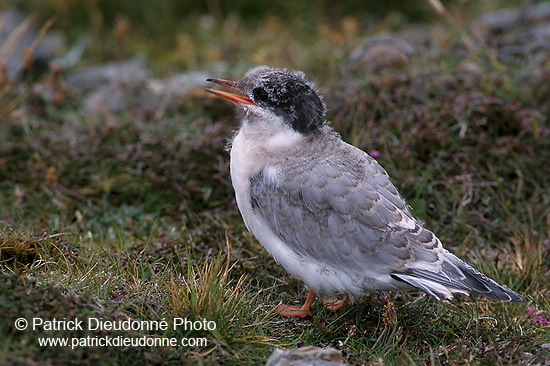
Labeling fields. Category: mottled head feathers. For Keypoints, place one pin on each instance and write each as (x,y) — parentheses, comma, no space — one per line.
(286,93)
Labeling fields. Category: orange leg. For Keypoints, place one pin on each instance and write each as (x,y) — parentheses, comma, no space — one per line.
(294,310)
(335,305)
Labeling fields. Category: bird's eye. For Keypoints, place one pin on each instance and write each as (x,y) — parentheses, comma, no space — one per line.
(260,94)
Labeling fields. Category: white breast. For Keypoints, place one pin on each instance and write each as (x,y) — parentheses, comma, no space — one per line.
(248,157)
(252,151)
(242,167)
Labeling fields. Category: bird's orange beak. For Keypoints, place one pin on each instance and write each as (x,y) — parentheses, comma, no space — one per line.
(241,98)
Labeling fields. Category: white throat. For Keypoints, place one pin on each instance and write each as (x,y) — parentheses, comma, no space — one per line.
(257,143)
(265,135)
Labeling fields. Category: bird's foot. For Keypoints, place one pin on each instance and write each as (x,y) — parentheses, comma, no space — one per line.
(334,305)
(293,310)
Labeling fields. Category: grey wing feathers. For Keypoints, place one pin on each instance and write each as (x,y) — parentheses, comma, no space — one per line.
(347,213)
(458,276)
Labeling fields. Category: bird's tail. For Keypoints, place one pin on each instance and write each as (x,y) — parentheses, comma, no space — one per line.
(456,276)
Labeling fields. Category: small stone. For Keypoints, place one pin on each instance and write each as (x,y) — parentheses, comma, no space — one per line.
(306,356)
(381,52)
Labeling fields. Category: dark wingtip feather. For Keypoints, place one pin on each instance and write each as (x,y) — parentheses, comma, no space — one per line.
(477,282)
(457,276)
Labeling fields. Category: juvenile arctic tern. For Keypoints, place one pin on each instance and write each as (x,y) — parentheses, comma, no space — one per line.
(325,210)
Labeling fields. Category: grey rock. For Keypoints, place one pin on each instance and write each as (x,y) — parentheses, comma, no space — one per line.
(178,85)
(88,78)
(498,20)
(380,52)
(138,93)
(517,33)
(306,356)
(504,19)
(117,97)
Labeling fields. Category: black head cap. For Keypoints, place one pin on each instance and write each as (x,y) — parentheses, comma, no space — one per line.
(288,94)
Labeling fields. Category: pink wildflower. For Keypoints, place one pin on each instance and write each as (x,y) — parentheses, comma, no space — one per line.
(538,316)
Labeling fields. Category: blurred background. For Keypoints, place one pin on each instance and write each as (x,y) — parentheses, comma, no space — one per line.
(184,35)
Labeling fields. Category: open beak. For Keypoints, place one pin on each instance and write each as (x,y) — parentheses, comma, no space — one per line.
(240,98)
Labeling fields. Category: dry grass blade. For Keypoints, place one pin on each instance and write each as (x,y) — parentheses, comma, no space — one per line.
(209,293)
(15,38)
(10,102)
(448,16)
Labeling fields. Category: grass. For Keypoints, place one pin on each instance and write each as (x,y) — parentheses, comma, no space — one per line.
(132,216)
